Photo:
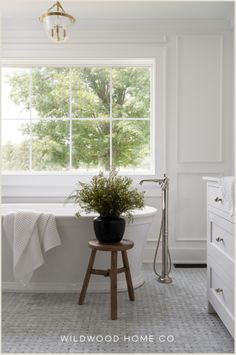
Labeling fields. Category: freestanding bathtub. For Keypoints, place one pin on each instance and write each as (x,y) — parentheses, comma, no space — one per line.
(65,265)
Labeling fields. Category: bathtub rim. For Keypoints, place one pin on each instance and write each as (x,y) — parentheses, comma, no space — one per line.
(62,210)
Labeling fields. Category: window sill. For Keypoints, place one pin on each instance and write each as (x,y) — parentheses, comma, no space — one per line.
(74,173)
(49,185)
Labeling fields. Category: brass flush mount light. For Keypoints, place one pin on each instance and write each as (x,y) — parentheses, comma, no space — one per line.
(56,22)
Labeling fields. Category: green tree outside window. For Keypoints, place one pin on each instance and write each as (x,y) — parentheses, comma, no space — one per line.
(80,118)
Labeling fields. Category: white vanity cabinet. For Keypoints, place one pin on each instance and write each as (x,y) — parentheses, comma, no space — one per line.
(220,256)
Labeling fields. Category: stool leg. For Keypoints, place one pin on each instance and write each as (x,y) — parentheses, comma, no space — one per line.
(87,277)
(128,275)
(113,276)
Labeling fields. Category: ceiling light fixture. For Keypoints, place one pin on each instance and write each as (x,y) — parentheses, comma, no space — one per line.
(56,22)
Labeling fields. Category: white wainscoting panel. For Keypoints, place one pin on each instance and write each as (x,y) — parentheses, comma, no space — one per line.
(199,93)
(190,210)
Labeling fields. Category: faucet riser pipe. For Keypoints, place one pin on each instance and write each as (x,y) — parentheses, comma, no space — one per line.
(165,269)
(165,278)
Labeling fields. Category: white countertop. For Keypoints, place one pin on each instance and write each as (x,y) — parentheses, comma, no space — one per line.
(211,178)
(214,178)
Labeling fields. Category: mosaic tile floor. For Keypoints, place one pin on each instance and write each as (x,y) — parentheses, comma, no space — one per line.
(163,319)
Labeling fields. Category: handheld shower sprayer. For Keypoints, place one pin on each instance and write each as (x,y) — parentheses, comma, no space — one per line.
(163,234)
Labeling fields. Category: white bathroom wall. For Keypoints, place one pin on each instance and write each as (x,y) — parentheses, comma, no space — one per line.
(194,112)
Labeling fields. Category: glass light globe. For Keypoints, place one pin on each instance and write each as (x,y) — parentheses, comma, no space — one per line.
(56,23)
(57,27)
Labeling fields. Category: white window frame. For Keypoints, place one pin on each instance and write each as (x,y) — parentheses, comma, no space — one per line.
(141,62)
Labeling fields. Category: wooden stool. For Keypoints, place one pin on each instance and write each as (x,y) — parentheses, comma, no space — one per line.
(112,272)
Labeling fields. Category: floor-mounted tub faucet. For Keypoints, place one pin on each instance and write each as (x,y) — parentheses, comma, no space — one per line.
(166,259)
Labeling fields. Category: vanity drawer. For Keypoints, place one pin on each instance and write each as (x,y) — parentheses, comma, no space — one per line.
(221,234)
(222,262)
(221,288)
(215,198)
(220,255)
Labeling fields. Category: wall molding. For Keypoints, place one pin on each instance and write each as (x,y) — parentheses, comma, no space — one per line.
(30,33)
(164,106)
(128,23)
(85,32)
(220,159)
(184,238)
(231,19)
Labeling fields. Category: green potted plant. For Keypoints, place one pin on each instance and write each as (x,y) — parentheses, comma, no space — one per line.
(113,198)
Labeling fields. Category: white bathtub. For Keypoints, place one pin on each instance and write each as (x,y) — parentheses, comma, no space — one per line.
(65,266)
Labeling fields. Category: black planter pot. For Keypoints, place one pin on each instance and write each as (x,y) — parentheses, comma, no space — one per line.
(109,229)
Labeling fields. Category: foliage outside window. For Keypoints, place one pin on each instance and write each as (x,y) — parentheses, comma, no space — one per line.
(76,118)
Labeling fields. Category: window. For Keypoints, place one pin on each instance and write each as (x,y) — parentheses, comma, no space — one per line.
(77,118)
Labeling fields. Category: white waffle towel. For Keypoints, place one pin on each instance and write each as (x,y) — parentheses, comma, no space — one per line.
(30,235)
(227,193)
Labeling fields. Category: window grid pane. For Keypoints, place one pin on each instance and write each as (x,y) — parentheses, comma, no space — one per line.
(70,115)
(30,110)
(90,144)
(130,99)
(15,144)
(50,145)
(110,140)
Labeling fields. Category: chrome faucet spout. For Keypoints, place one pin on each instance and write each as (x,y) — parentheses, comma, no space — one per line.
(148,180)
(159,181)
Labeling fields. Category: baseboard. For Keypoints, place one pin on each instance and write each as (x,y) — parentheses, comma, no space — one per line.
(178,255)
(190,266)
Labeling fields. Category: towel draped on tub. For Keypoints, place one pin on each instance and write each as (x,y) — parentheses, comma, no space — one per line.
(30,234)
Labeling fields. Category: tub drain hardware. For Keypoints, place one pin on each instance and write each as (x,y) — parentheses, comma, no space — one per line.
(163,234)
